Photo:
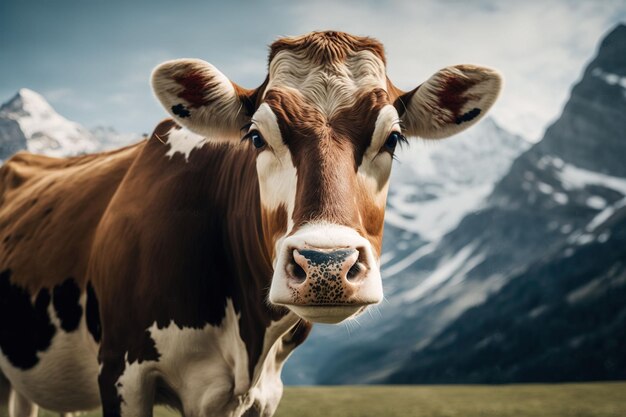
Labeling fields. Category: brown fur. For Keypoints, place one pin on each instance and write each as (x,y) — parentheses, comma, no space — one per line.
(204,242)
(50,210)
(195,84)
(123,218)
(251,98)
(452,95)
(327,154)
(274,226)
(327,47)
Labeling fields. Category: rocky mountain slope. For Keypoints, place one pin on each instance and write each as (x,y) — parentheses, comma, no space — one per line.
(553,235)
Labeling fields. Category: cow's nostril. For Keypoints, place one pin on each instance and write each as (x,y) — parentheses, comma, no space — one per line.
(298,272)
(354,271)
(297,267)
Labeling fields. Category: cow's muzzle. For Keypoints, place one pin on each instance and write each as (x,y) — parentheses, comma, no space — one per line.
(326,274)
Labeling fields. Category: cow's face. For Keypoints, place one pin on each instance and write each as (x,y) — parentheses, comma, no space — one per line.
(325,126)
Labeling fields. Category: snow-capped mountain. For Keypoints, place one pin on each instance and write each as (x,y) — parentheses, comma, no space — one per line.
(28,122)
(552,239)
(531,286)
(434,185)
(46,131)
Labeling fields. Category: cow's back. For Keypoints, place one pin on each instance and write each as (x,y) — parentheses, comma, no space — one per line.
(49,209)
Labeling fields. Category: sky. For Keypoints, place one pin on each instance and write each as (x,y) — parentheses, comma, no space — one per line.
(92,59)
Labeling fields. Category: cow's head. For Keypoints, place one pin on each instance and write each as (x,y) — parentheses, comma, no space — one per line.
(325,124)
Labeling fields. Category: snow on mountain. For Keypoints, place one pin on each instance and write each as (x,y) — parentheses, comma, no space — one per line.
(46,131)
(436,183)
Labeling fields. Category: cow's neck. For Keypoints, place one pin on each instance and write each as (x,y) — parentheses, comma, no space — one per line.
(236,192)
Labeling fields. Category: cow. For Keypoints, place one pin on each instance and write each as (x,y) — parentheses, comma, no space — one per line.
(183,270)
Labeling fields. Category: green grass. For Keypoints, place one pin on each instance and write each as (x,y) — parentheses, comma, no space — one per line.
(571,400)
(537,400)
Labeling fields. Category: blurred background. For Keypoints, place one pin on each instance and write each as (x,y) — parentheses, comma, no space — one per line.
(505,246)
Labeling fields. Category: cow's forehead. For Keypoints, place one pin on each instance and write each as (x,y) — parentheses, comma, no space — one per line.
(329,74)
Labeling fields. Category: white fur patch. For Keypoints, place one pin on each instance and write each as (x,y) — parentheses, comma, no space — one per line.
(183,141)
(208,369)
(205,367)
(375,168)
(65,378)
(277,174)
(20,406)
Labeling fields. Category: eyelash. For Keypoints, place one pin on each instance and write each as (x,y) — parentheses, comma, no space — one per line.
(398,137)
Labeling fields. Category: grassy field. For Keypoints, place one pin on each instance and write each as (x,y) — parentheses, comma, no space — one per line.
(570,400)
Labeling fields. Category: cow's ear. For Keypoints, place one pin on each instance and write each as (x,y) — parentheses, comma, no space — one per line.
(201,98)
(450,101)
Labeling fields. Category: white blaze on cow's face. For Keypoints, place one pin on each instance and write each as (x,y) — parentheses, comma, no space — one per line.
(325,125)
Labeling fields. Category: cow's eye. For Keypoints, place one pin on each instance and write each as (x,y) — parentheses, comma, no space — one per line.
(392,140)
(256,139)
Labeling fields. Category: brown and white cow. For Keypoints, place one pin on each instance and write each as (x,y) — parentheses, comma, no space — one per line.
(184,269)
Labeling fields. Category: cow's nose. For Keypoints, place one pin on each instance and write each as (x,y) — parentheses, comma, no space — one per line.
(318,265)
(326,273)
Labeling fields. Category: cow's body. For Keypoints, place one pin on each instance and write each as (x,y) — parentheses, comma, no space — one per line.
(184,269)
(212,347)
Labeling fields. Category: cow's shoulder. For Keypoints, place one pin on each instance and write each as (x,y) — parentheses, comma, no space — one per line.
(165,236)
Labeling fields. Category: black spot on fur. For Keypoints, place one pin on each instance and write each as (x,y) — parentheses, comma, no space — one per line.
(112,368)
(181,111)
(470,115)
(146,351)
(93,314)
(47,211)
(25,328)
(113,365)
(66,301)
